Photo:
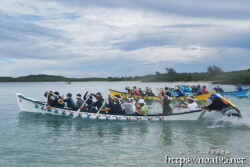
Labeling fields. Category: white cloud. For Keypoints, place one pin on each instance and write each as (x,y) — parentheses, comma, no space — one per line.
(99,34)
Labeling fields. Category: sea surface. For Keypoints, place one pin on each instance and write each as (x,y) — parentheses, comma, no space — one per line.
(28,139)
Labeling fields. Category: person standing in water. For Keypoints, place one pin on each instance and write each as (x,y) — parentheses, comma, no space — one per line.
(165,101)
(222,105)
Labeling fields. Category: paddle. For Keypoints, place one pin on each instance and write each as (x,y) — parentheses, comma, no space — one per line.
(157,90)
(77,112)
(202,113)
(101,107)
(46,103)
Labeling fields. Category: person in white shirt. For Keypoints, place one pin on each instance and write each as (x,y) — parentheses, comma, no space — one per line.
(192,105)
(129,106)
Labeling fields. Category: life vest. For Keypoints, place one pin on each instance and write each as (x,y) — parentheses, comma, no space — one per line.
(60,101)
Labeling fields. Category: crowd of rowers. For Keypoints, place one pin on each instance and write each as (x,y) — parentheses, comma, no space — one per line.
(177,91)
(111,105)
(116,106)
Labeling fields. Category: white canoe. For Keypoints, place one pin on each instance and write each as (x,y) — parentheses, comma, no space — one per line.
(27,104)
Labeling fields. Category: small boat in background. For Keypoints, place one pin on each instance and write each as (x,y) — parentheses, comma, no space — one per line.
(236,93)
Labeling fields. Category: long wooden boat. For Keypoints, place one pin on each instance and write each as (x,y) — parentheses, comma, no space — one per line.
(202,97)
(236,93)
(27,104)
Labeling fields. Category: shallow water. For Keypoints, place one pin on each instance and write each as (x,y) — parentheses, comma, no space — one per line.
(29,139)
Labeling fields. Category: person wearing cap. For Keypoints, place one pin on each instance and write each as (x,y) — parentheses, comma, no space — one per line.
(222,105)
(129,106)
(165,101)
(57,102)
(192,105)
(239,88)
(98,103)
(79,102)
(90,99)
(69,101)
(141,107)
(114,108)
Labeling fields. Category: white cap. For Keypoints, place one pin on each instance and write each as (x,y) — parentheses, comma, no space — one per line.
(191,97)
(141,101)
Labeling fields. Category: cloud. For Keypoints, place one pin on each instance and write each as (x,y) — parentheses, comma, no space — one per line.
(229,9)
(115,38)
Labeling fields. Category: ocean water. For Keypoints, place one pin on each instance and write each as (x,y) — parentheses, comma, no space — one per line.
(28,139)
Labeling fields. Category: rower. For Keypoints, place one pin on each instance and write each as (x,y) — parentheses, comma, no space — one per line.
(115,108)
(199,90)
(192,105)
(204,90)
(141,107)
(90,99)
(135,91)
(57,102)
(129,106)
(79,102)
(167,92)
(140,91)
(239,88)
(151,92)
(222,105)
(165,101)
(179,92)
(49,96)
(98,102)
(128,90)
(69,101)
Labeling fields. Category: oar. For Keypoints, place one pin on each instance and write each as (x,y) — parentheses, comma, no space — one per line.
(156,97)
(101,107)
(202,113)
(77,112)
(46,103)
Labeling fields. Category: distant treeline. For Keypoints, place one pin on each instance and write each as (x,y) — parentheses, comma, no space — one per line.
(47,78)
(214,74)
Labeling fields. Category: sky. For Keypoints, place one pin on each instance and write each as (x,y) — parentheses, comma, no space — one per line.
(102,38)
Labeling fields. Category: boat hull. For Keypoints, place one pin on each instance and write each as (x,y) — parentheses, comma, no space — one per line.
(27,104)
(236,93)
(202,97)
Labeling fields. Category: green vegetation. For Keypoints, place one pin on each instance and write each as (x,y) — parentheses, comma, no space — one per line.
(47,78)
(213,73)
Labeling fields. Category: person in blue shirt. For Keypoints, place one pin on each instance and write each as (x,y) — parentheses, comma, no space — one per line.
(179,92)
(69,101)
(239,88)
(199,90)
